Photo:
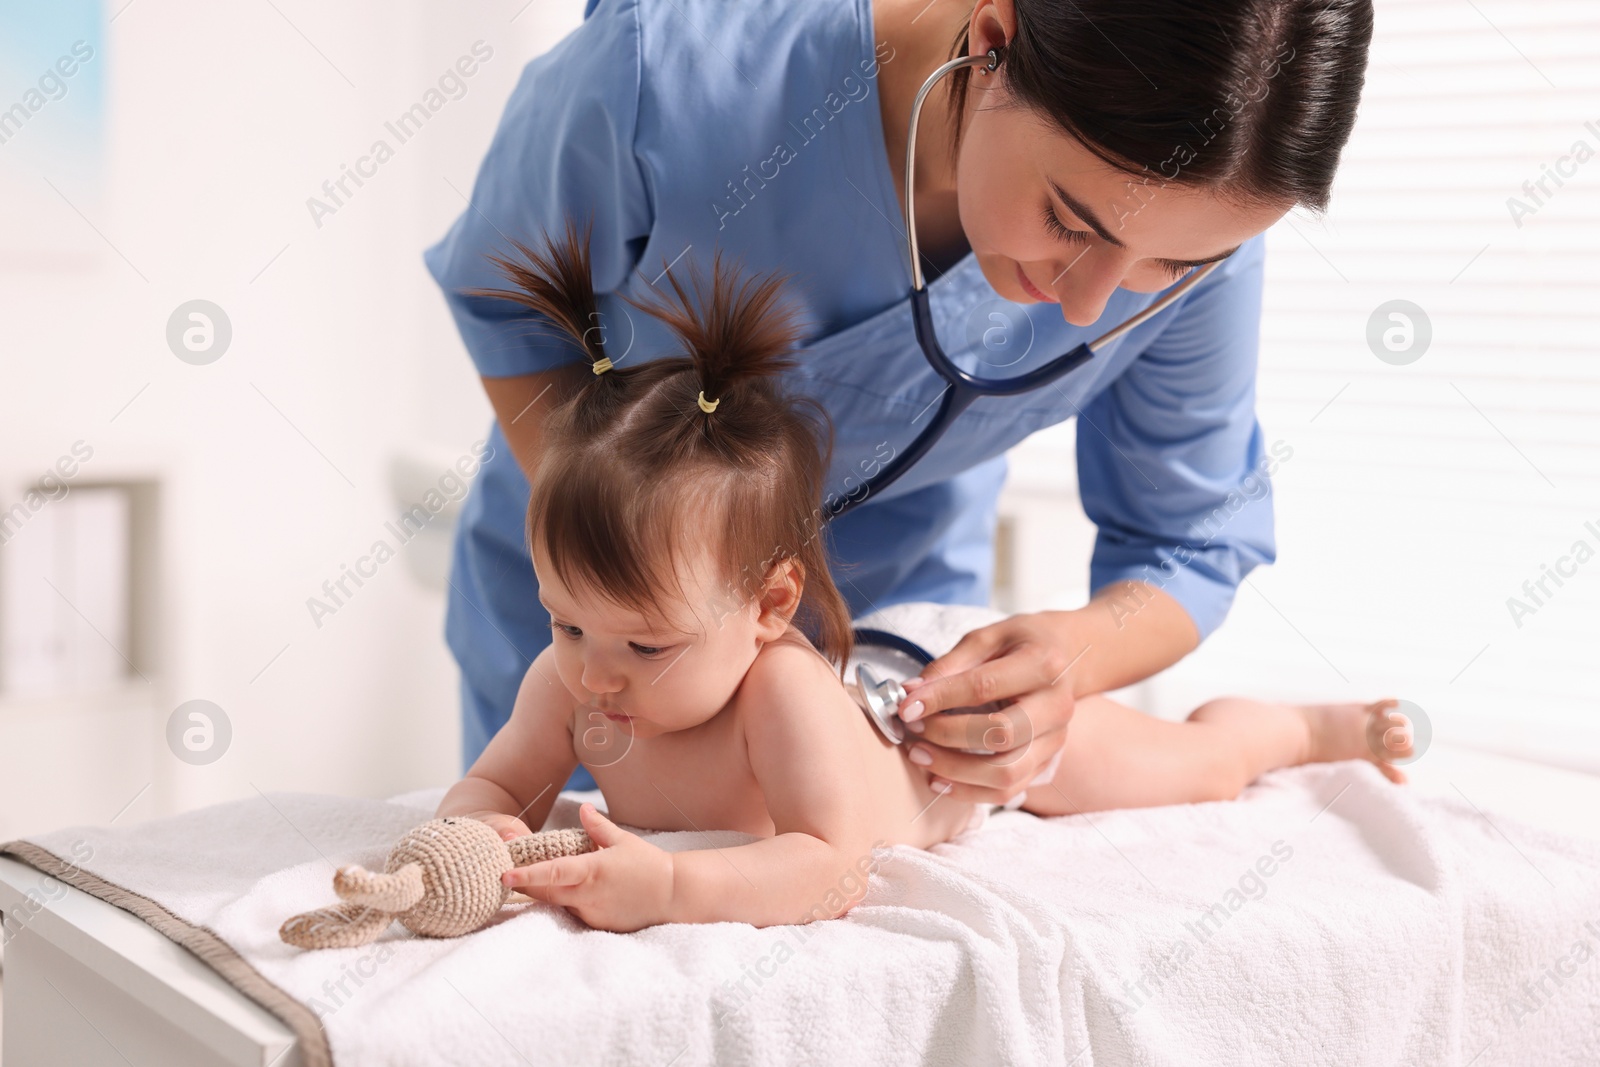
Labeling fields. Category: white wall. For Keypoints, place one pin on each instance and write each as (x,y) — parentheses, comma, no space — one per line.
(1421,497)
(1403,525)
(275,461)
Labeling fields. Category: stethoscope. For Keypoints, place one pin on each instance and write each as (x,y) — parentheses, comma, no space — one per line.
(881,697)
(963,388)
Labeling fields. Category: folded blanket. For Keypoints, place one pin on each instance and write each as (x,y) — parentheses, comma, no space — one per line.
(1327,916)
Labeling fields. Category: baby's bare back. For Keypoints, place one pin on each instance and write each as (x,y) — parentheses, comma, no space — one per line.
(701,778)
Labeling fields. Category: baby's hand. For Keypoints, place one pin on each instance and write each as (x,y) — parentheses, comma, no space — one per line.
(507,826)
(625,885)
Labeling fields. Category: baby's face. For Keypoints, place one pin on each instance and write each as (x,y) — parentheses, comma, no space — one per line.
(647,678)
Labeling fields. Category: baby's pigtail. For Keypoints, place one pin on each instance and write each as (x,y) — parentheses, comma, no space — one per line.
(556,282)
(733,331)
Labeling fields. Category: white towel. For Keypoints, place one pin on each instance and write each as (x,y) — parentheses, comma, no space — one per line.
(1325,917)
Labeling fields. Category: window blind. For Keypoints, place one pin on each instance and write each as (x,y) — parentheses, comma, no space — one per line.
(1426,500)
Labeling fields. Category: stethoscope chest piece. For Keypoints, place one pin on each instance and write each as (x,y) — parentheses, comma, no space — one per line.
(881,699)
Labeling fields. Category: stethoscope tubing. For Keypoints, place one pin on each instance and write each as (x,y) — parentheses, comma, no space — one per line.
(866,635)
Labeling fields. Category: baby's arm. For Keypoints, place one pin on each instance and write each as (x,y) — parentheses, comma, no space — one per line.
(513,785)
(809,764)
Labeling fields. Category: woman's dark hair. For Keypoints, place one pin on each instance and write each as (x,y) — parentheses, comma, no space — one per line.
(632,469)
(1253,97)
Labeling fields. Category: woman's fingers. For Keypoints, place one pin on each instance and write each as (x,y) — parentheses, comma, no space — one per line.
(974,647)
(968,778)
(995,778)
(1021,668)
(1015,663)
(1007,733)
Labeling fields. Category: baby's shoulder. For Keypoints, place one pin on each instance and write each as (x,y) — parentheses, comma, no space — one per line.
(790,672)
(790,655)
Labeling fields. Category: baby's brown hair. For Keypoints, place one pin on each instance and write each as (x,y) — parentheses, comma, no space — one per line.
(632,467)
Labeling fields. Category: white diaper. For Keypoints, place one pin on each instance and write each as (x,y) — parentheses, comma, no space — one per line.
(982,811)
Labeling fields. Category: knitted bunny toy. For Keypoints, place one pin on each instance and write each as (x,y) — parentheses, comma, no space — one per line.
(441,880)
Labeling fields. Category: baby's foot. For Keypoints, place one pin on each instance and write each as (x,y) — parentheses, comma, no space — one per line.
(1374,732)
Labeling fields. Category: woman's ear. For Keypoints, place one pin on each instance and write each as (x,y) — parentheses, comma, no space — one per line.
(994,22)
(780,598)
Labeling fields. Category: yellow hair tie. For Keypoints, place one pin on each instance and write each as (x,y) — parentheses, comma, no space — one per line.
(602,365)
(708,406)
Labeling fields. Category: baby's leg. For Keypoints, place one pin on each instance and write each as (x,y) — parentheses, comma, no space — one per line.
(1116,757)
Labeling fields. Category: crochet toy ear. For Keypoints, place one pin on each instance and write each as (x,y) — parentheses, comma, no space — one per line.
(549,844)
(393,891)
(341,926)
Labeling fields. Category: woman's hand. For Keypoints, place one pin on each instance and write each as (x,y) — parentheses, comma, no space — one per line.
(624,886)
(1022,663)
(507,826)
(1037,665)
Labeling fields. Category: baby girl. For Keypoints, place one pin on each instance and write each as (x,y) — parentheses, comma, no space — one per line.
(699,642)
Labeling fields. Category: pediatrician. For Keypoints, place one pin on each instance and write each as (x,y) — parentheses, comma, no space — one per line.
(1094,153)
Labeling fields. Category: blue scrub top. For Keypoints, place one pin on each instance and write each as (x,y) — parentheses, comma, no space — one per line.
(682,126)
